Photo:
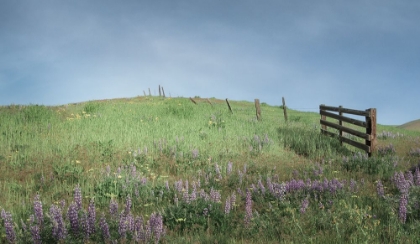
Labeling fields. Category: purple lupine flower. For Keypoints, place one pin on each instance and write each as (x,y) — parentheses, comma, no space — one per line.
(193,195)
(130,222)
(228,205)
(409,178)
(156,224)
(214,195)
(104,227)
(139,234)
(261,186)
(8,225)
(128,205)
(59,230)
(380,189)
(178,185)
(122,226)
(186,197)
(91,217)
(78,197)
(402,212)
(73,216)
(218,172)
(36,234)
(229,168)
(232,200)
(84,224)
(113,208)
(248,209)
(38,210)
(400,182)
(304,206)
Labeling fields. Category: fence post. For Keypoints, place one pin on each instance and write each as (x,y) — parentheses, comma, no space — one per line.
(341,124)
(371,130)
(150,94)
(229,106)
(258,109)
(192,100)
(163,92)
(209,102)
(284,109)
(159,92)
(144,93)
(324,118)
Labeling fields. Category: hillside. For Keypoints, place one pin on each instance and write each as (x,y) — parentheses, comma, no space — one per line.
(153,169)
(412,125)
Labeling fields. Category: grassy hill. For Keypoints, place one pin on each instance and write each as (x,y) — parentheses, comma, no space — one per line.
(149,169)
(412,125)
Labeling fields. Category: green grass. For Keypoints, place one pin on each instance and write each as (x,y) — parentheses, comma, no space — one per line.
(143,147)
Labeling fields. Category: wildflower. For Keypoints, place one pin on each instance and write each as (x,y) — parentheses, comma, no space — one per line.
(248,209)
(59,230)
(113,208)
(38,210)
(304,206)
(104,227)
(227,205)
(78,197)
(8,225)
(402,212)
(91,217)
(72,214)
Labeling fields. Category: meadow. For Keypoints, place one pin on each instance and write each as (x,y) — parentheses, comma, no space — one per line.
(153,169)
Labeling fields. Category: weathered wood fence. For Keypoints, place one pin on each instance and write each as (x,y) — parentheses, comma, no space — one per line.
(369,124)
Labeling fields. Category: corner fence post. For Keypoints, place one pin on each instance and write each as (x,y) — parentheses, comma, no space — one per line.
(323,117)
(371,130)
(340,122)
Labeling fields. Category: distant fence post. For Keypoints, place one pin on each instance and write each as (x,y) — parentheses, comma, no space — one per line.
(150,94)
(163,92)
(159,92)
(369,124)
(229,105)
(208,100)
(192,100)
(258,109)
(371,129)
(284,109)
(144,93)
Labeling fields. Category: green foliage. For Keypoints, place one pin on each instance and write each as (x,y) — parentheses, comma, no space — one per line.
(37,114)
(310,143)
(91,107)
(383,167)
(195,217)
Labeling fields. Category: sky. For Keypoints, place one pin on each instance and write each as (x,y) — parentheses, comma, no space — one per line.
(358,54)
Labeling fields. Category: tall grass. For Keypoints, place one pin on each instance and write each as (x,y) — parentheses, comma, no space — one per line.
(149,169)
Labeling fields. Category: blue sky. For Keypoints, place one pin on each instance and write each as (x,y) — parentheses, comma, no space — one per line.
(359,54)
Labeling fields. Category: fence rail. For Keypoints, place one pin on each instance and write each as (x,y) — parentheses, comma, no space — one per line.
(369,124)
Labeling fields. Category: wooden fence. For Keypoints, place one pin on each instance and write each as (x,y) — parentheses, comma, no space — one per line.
(369,124)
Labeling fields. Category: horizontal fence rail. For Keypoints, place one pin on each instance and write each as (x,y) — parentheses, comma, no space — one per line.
(369,124)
